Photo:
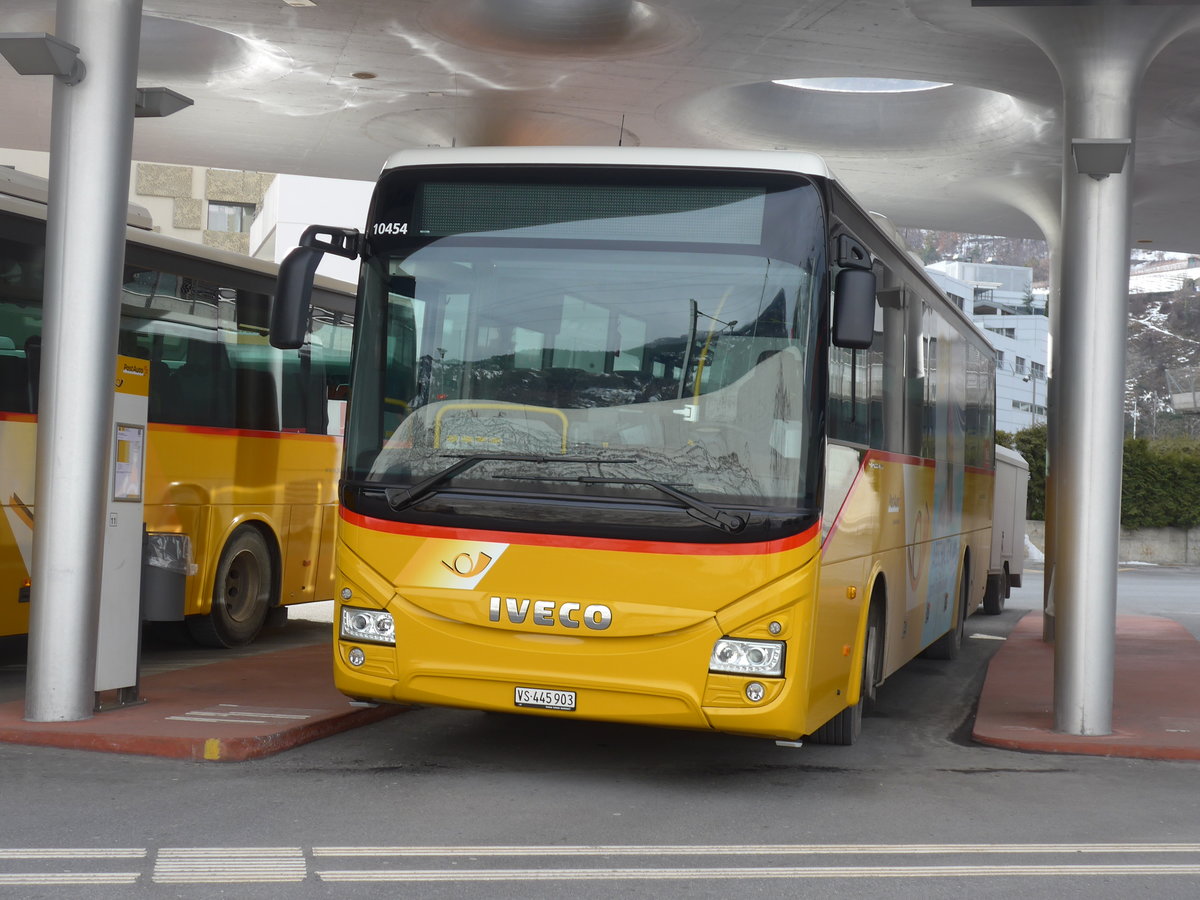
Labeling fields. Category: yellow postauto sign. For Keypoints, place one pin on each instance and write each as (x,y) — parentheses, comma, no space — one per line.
(132,377)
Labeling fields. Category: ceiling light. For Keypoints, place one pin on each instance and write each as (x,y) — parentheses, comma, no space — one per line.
(857,85)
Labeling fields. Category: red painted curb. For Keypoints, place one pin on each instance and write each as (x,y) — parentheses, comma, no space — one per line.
(1152,718)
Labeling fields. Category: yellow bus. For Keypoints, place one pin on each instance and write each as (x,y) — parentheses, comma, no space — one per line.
(671,437)
(243,442)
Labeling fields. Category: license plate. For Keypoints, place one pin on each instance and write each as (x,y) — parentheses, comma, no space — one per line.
(542,698)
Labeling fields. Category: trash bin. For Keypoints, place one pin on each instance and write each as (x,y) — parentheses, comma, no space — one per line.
(166,564)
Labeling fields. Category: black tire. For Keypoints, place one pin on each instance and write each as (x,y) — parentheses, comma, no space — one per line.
(844,728)
(950,643)
(993,595)
(243,592)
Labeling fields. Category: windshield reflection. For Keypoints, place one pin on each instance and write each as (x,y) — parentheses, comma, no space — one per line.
(687,369)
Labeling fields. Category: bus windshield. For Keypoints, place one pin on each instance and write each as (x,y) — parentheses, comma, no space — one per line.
(618,342)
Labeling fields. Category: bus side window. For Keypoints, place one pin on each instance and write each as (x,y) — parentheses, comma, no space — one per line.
(848,413)
(21,266)
(14,378)
(329,345)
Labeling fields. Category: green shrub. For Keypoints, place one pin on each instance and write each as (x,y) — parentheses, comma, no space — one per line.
(1160,479)
(1031,444)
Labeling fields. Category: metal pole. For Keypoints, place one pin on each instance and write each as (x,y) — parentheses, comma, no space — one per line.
(1101,52)
(90,148)
(1092,354)
(1054,450)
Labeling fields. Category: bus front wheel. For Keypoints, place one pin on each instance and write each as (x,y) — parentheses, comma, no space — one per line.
(844,728)
(243,592)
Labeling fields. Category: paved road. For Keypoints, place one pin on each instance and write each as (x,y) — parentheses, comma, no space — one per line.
(447,804)
(1142,590)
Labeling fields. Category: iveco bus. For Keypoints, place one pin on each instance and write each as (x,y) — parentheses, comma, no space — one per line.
(673,437)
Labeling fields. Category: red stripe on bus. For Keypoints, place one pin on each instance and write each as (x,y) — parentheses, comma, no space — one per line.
(17,417)
(886,456)
(579,543)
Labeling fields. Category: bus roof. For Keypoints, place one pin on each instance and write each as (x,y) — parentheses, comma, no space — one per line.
(13,204)
(14,183)
(673,157)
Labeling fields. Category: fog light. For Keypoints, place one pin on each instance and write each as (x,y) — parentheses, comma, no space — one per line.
(755,692)
(357,657)
(747,657)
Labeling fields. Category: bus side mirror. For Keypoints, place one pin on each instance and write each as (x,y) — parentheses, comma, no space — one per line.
(294,284)
(854,309)
(293,297)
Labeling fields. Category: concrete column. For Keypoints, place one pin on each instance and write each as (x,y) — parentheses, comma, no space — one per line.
(90,147)
(1101,52)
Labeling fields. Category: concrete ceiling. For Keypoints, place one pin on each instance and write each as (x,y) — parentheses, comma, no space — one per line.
(331,89)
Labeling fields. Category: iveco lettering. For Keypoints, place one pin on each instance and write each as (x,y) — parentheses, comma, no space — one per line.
(595,616)
(658,436)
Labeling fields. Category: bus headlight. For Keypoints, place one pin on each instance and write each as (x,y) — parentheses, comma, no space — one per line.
(372,625)
(747,657)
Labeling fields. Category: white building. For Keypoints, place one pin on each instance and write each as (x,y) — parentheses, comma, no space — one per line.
(293,202)
(1000,301)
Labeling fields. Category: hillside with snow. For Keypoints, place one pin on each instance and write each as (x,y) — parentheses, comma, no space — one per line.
(1162,364)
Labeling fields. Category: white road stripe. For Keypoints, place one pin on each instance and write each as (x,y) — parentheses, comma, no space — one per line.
(755,850)
(209,865)
(72,853)
(244,715)
(213,865)
(266,712)
(749,873)
(53,878)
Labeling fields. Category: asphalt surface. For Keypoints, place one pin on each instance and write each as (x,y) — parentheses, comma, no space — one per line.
(443,803)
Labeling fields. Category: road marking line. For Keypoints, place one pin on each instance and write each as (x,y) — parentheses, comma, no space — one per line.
(72,853)
(751,873)
(755,850)
(244,715)
(227,865)
(54,878)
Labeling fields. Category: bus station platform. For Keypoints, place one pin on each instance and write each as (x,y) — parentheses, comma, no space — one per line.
(1156,705)
(242,708)
(206,704)
(255,703)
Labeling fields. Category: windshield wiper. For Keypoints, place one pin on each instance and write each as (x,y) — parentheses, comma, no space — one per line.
(710,515)
(400,498)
